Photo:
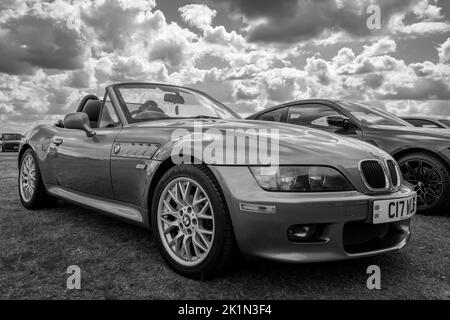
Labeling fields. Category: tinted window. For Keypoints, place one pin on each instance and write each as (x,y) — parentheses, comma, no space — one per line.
(370,115)
(446,122)
(109,117)
(275,115)
(311,115)
(423,123)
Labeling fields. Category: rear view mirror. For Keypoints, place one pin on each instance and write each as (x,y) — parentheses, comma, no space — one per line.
(339,121)
(79,121)
(174,98)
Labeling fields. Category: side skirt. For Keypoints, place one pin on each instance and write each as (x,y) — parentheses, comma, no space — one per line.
(121,210)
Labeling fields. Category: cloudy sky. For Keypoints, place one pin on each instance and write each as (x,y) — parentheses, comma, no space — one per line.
(250,54)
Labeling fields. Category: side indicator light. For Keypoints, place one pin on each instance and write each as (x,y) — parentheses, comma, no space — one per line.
(250,207)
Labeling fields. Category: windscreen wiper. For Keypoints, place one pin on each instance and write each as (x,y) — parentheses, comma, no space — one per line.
(203,116)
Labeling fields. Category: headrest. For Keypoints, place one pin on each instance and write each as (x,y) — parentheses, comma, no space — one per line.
(92,109)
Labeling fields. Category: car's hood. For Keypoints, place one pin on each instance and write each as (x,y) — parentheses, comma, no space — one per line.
(297,144)
(432,133)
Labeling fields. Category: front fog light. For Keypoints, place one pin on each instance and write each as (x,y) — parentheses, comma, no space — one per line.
(302,233)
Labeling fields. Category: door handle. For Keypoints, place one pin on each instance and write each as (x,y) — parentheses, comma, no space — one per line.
(57,140)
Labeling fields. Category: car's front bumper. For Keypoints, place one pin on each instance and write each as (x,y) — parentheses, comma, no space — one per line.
(344,218)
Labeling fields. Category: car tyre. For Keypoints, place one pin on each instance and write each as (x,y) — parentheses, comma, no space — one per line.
(29,174)
(434,170)
(222,253)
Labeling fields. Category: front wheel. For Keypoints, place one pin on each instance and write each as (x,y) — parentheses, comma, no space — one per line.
(191,223)
(31,187)
(430,178)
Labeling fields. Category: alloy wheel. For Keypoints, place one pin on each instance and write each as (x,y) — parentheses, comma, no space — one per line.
(28,177)
(185,221)
(427,180)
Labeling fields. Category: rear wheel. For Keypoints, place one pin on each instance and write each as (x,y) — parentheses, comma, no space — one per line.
(31,187)
(430,178)
(191,223)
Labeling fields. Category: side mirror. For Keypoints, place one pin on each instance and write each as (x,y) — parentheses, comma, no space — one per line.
(339,121)
(59,124)
(79,121)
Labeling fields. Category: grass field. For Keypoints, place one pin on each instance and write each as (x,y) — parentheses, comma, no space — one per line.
(120,261)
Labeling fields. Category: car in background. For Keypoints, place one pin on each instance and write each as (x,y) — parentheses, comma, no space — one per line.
(423,154)
(428,122)
(327,198)
(10,141)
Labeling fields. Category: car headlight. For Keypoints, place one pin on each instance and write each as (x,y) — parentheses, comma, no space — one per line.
(300,179)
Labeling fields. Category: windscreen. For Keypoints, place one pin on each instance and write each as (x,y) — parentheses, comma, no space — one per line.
(155,102)
(372,116)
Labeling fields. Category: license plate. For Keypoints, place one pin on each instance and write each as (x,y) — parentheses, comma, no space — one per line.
(16,147)
(385,211)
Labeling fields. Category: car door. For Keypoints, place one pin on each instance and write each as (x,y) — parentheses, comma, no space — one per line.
(315,115)
(83,163)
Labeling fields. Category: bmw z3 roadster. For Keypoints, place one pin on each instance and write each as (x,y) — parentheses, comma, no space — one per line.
(321,196)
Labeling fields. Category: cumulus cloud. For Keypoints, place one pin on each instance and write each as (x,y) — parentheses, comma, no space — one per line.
(344,56)
(426,28)
(437,71)
(373,81)
(424,19)
(23,49)
(169,51)
(257,54)
(381,47)
(421,89)
(198,15)
(298,20)
(319,70)
(418,108)
(428,11)
(243,92)
(444,52)
(113,24)
(363,65)
(80,79)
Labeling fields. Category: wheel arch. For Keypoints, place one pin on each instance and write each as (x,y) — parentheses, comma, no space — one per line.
(22,150)
(404,152)
(163,167)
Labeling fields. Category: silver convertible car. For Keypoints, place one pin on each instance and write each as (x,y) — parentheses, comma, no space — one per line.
(323,197)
